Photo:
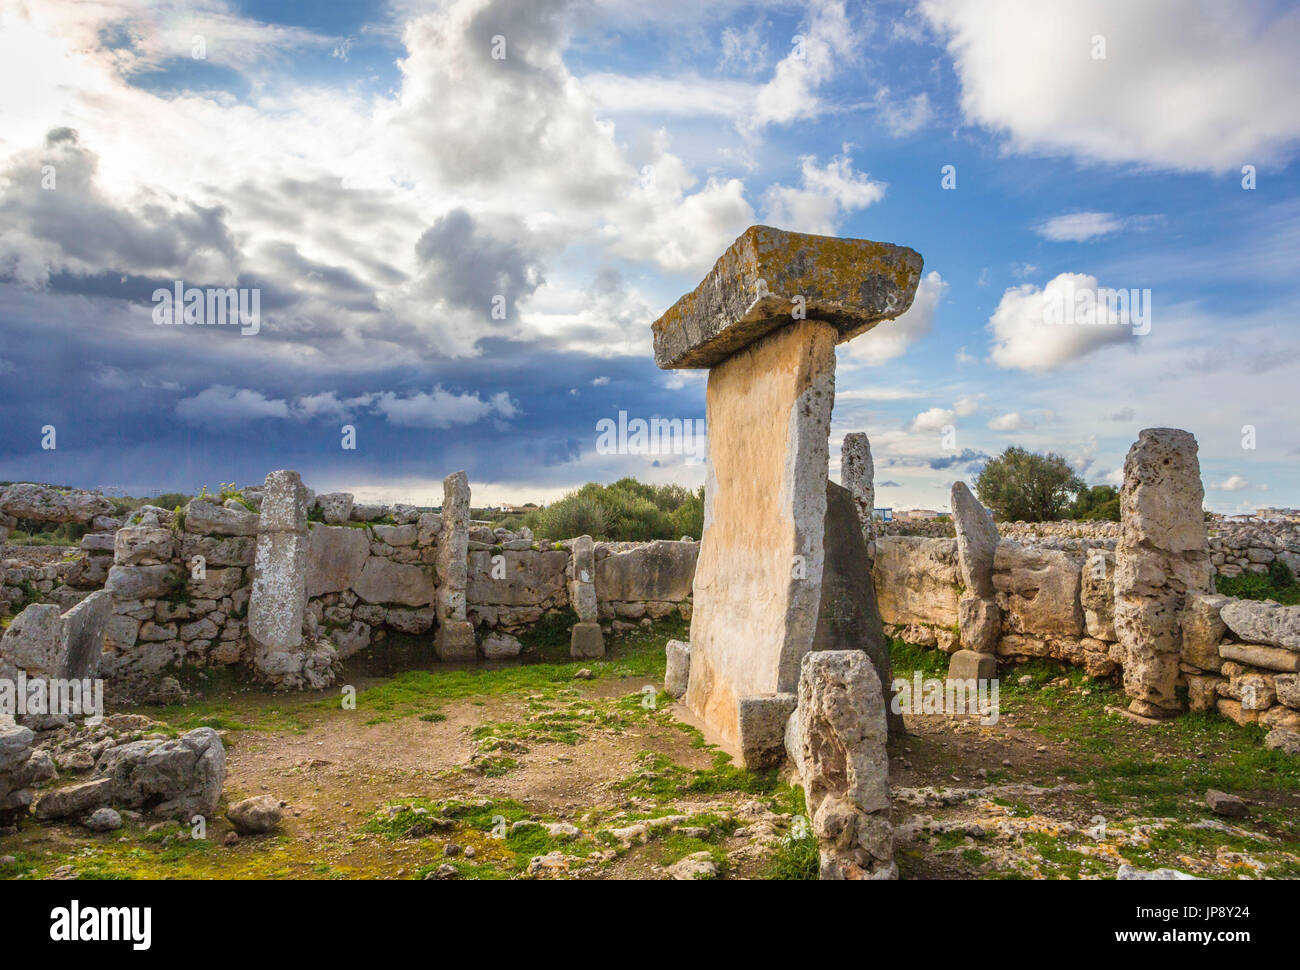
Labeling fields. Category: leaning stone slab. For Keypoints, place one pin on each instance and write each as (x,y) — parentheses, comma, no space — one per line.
(1264,622)
(858,474)
(768,276)
(977,541)
(83,636)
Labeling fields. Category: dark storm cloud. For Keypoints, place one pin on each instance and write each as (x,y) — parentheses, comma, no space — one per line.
(468,266)
(51,202)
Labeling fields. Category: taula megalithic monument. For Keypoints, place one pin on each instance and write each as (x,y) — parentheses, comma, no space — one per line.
(781,569)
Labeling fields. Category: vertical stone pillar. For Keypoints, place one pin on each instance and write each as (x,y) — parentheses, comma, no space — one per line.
(979,619)
(277,605)
(765,321)
(586,640)
(844,764)
(455,637)
(1162,556)
(858,475)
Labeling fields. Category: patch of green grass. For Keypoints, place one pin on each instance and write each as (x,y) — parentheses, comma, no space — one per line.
(796,859)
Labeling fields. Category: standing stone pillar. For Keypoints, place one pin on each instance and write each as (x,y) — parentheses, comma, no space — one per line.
(277,605)
(586,640)
(765,321)
(858,475)
(979,618)
(455,637)
(1162,556)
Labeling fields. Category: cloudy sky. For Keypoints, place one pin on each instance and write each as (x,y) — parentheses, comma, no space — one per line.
(462,217)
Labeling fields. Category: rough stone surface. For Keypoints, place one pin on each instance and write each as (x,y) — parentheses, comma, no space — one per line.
(335,507)
(206,518)
(455,640)
(1229,806)
(1280,739)
(44,504)
(758,579)
(845,767)
(83,636)
(661,570)
(282,655)
(501,646)
(850,284)
(586,641)
(980,624)
(1097,594)
(858,475)
(970,665)
(762,723)
(453,549)
(1038,590)
(34,640)
(847,616)
(1263,622)
(1161,557)
(385,581)
(256,815)
(677,671)
(1270,658)
(582,582)
(977,541)
(916,580)
(335,558)
(1203,630)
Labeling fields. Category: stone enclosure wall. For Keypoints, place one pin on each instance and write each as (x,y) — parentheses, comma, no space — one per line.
(181,583)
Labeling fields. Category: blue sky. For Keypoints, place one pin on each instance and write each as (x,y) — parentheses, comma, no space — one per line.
(378,176)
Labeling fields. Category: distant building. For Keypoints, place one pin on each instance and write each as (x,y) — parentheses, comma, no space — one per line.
(884,515)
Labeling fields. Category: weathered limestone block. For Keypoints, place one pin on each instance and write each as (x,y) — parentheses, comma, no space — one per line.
(758,578)
(282,655)
(178,778)
(1097,594)
(83,636)
(845,766)
(334,559)
(525,578)
(582,582)
(586,642)
(1254,655)
(1038,590)
(662,570)
(677,671)
(206,518)
(847,616)
(335,507)
(1263,622)
(1162,555)
(455,637)
(140,545)
(20,769)
(385,581)
(453,548)
(34,640)
(972,665)
(858,475)
(129,583)
(851,284)
(916,580)
(44,504)
(1203,630)
(411,621)
(977,541)
(980,624)
(1288,690)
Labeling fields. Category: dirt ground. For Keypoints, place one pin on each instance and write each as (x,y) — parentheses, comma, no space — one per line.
(532,771)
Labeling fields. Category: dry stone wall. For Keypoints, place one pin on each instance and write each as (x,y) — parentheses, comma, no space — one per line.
(179,586)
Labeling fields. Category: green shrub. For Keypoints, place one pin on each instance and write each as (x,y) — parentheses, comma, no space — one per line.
(626,511)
